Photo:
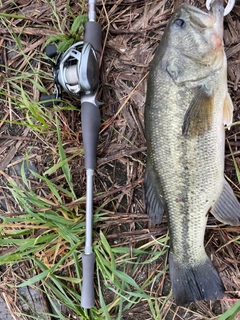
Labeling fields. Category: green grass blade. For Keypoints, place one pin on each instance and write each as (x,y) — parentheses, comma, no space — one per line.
(101,299)
(231,313)
(108,249)
(34,279)
(235,164)
(65,166)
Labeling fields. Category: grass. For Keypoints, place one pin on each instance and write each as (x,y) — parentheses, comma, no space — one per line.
(43,230)
(51,235)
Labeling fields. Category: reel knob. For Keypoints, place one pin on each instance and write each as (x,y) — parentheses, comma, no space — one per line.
(48,100)
(51,50)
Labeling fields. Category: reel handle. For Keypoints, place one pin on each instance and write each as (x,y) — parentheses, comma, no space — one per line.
(48,100)
(51,50)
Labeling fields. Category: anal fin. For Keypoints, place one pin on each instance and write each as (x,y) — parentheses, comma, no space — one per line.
(227,208)
(155,203)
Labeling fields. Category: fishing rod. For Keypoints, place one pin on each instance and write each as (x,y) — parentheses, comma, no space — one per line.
(77,72)
(90,130)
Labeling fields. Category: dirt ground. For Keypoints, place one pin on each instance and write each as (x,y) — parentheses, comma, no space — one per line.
(132,31)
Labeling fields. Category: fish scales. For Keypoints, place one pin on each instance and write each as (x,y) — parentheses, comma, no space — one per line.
(187,105)
(174,159)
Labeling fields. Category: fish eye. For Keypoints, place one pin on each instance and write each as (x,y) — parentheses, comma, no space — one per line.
(179,23)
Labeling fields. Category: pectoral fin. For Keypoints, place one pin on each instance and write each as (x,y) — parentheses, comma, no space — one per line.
(227,208)
(155,203)
(227,110)
(198,118)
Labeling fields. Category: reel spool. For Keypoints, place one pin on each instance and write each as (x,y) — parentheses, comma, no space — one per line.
(77,69)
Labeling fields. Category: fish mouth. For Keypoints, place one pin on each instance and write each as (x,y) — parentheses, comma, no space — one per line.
(213,19)
(198,18)
(208,19)
(217,10)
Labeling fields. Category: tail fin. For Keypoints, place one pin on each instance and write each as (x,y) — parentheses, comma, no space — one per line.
(191,284)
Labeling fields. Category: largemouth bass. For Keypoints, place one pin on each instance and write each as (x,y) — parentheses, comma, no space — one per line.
(187,106)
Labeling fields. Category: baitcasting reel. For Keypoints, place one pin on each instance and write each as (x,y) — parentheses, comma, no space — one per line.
(76,70)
